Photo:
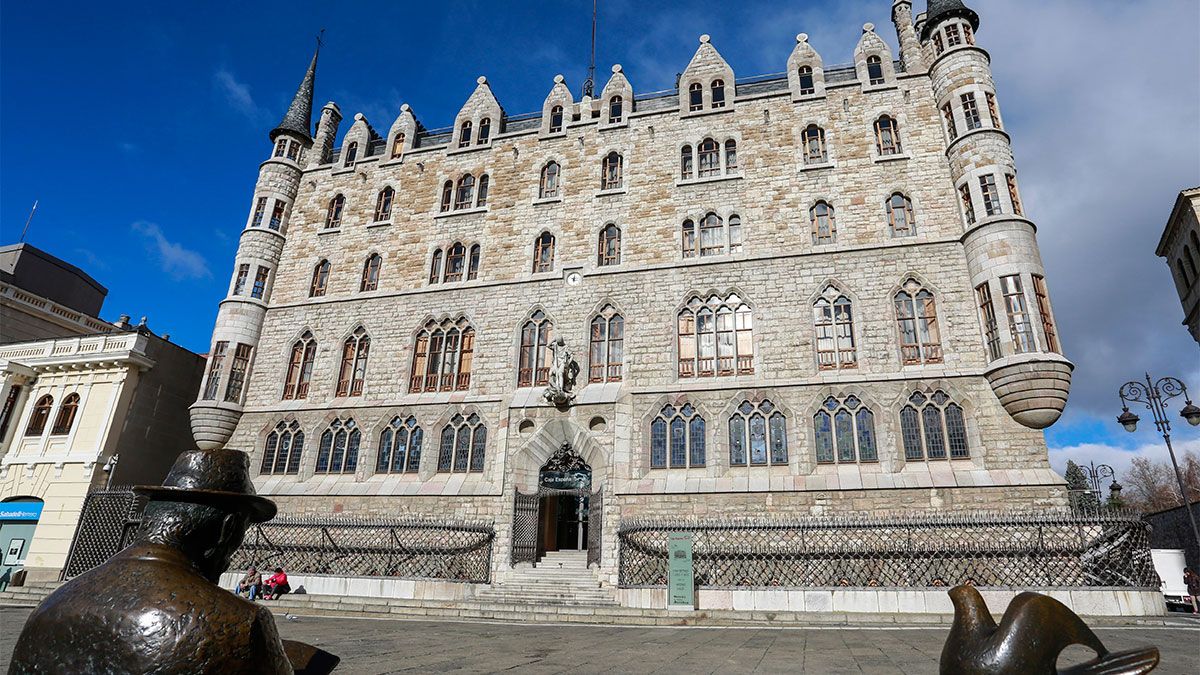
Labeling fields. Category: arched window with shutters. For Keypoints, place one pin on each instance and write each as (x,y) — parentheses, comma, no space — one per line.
(40,416)
(435,266)
(456,262)
(844,430)
(400,446)
(320,280)
(548,187)
(677,438)
(813,140)
(462,445)
(65,418)
(887,136)
(283,449)
(370,274)
(464,195)
(609,248)
(686,167)
(607,353)
(333,214)
(615,110)
(933,427)
(473,263)
(383,204)
(464,134)
(353,372)
(338,452)
(710,158)
(916,313)
(715,337)
(834,323)
(556,119)
(611,175)
(543,253)
(695,96)
(824,226)
(533,366)
(447,196)
(485,131)
(757,435)
(900,215)
(442,356)
(718,94)
(351,154)
(300,367)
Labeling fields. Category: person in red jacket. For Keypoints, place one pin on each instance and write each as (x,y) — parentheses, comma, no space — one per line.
(277,585)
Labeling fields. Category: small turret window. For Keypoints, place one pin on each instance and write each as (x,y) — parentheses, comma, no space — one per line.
(807,85)
(293,150)
(939,46)
(1016,306)
(485,130)
(548,188)
(260,282)
(948,115)
(695,96)
(383,204)
(556,119)
(333,215)
(216,365)
(968,35)
(237,373)
(260,208)
(351,154)
(610,171)
(887,136)
(953,37)
(239,282)
(813,139)
(964,194)
(1013,195)
(277,210)
(320,280)
(280,147)
(718,93)
(1043,302)
(398,145)
(991,196)
(875,70)
(615,113)
(993,110)
(464,134)
(971,111)
(987,312)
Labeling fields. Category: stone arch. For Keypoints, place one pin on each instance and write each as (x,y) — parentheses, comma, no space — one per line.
(549,437)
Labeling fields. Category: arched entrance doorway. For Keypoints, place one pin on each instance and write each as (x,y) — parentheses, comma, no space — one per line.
(557,516)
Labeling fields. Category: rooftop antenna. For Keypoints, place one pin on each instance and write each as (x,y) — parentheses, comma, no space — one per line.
(589,85)
(29,220)
(320,40)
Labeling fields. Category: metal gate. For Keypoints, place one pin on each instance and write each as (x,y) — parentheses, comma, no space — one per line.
(527,521)
(107,523)
(595,528)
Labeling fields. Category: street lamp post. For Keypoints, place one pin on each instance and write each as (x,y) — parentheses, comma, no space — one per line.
(1094,473)
(1155,395)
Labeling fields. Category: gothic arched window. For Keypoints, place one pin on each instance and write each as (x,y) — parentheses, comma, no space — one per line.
(435,267)
(285,445)
(715,337)
(615,113)
(710,158)
(757,435)
(685,162)
(464,196)
(931,424)
(533,368)
(834,323)
(485,130)
(339,447)
(473,263)
(333,215)
(718,93)
(610,171)
(482,198)
(695,96)
(320,280)
(543,253)
(875,70)
(66,415)
(464,134)
(712,235)
(300,366)
(370,274)
(353,371)
(556,119)
(677,438)
(609,249)
(845,431)
(900,215)
(813,139)
(548,188)
(351,154)
(456,261)
(442,357)
(383,204)
(916,314)
(40,415)
(607,346)
(447,195)
(824,226)
(462,445)
(807,84)
(887,136)
(400,446)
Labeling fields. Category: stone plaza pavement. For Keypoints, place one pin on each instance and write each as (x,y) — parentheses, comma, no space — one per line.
(388,646)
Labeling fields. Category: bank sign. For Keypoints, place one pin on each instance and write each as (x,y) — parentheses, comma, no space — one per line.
(25,511)
(680,573)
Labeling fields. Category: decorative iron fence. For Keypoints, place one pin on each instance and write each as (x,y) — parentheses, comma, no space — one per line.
(992,549)
(107,522)
(363,547)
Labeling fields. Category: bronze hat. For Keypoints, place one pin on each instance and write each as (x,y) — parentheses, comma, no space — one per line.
(218,478)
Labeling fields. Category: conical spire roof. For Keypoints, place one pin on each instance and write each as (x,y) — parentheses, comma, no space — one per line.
(298,118)
(944,9)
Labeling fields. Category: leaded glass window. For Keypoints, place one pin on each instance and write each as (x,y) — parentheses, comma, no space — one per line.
(715,337)
(920,341)
(284,446)
(338,452)
(833,320)
(757,435)
(462,445)
(933,427)
(677,438)
(400,446)
(845,431)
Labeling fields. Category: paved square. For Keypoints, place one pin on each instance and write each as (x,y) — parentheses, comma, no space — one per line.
(385,646)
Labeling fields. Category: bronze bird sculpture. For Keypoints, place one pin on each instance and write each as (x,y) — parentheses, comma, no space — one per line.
(1035,629)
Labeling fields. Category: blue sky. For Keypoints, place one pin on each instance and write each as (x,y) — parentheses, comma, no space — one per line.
(140,126)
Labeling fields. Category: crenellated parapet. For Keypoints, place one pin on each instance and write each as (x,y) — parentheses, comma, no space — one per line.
(1025,364)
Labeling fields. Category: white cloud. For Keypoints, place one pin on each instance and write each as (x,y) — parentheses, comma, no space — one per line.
(1116,457)
(237,94)
(178,262)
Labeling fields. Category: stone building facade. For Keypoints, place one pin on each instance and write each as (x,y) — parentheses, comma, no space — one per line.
(800,295)
(1180,247)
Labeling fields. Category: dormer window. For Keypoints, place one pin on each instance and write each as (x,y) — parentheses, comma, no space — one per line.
(280,147)
(875,70)
(615,113)
(485,130)
(464,134)
(351,154)
(556,119)
(696,96)
(718,94)
(398,145)
(807,84)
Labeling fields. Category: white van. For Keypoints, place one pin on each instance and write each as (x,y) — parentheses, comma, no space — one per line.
(1169,563)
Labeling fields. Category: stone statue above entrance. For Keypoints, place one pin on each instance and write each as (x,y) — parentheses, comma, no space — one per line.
(563,372)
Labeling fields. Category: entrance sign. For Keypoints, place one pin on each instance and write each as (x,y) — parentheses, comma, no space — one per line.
(681,578)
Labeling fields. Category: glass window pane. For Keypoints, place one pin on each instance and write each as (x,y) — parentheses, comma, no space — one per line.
(867,451)
(323,452)
(843,424)
(658,443)
(737,441)
(758,439)
(414,450)
(446,451)
(824,434)
(935,440)
(478,442)
(778,439)
(910,430)
(678,443)
(462,447)
(956,430)
(696,441)
(383,462)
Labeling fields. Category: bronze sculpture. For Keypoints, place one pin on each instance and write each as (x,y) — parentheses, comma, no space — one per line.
(156,606)
(1035,629)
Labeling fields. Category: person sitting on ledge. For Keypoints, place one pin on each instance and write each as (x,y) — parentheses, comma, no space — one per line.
(250,584)
(276,586)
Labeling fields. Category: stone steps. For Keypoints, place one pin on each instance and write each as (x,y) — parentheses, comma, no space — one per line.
(559,579)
